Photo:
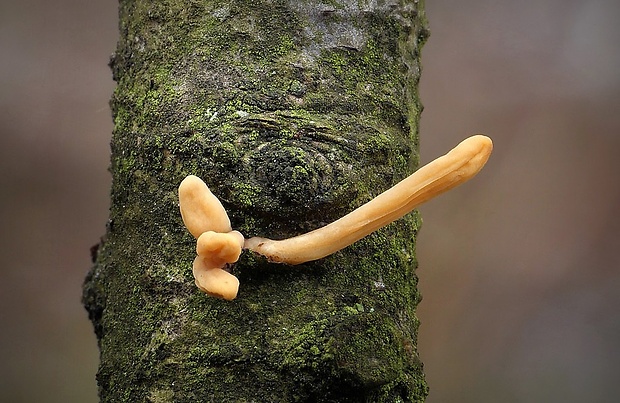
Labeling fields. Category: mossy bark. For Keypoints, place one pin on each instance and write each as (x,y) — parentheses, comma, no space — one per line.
(294,112)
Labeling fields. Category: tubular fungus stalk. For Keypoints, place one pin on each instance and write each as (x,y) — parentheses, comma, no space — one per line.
(458,166)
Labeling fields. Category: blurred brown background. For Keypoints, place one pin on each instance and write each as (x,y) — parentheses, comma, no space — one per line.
(519,268)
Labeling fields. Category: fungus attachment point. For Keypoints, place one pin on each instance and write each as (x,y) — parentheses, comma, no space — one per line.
(446,172)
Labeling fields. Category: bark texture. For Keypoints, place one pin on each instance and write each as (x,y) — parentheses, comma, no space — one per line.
(294,112)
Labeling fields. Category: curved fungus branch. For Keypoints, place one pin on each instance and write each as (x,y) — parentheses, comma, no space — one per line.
(446,172)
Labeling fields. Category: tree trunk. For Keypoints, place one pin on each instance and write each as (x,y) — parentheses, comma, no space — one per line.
(294,112)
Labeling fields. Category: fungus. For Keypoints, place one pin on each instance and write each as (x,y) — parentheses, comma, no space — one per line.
(218,246)
(446,172)
(214,281)
(200,209)
(219,249)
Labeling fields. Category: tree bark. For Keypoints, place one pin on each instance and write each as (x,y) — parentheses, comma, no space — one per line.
(294,112)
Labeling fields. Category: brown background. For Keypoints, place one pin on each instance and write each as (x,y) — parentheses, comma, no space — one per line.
(519,268)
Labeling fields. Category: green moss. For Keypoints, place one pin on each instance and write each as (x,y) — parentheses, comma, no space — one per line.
(245,194)
(161,395)
(286,45)
(306,347)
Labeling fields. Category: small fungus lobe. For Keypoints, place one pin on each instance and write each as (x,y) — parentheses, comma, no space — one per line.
(200,209)
(214,281)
